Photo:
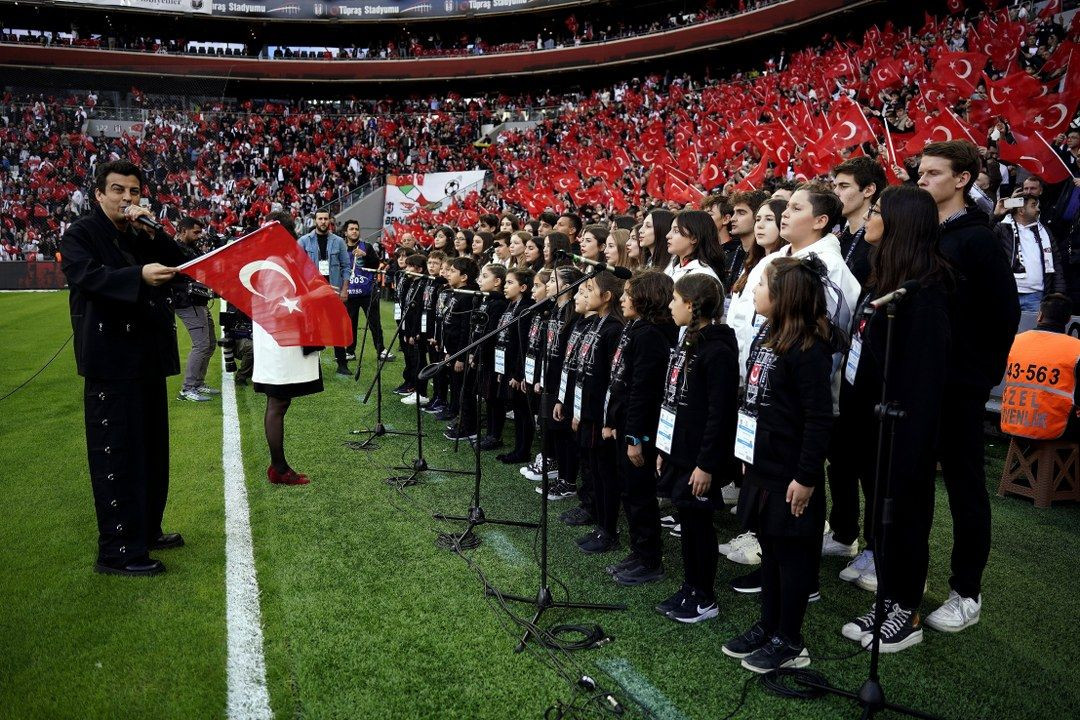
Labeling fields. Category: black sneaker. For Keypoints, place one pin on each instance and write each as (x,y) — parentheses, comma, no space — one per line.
(576,517)
(489,443)
(343,369)
(639,575)
(694,608)
(456,433)
(559,491)
(676,531)
(445,414)
(901,629)
(674,601)
(433,408)
(668,521)
(775,654)
(626,563)
(598,542)
(749,642)
(747,584)
(863,625)
(404,389)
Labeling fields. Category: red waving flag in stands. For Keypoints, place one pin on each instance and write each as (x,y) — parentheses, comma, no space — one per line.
(268,276)
(959,70)
(1036,156)
(852,129)
(1051,9)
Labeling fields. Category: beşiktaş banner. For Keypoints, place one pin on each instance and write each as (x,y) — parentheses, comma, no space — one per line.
(378,9)
(406,194)
(203,7)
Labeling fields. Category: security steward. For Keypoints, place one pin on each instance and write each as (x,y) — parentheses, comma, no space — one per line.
(125,347)
(1040,397)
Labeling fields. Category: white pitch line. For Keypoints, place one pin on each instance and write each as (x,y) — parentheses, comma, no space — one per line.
(248,698)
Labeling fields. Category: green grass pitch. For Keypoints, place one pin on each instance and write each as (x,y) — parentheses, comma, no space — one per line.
(364,617)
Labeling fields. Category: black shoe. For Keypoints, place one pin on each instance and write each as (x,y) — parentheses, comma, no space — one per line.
(747,584)
(445,414)
(139,567)
(343,369)
(775,654)
(674,601)
(598,543)
(626,563)
(694,608)
(456,433)
(167,541)
(640,575)
(559,491)
(240,383)
(863,625)
(489,443)
(750,641)
(404,389)
(576,517)
(433,408)
(512,458)
(668,521)
(902,629)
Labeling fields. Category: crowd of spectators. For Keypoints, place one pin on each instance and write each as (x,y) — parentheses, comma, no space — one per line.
(667,138)
(584,25)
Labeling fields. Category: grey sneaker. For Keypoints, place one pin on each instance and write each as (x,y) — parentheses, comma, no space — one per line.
(207,390)
(192,396)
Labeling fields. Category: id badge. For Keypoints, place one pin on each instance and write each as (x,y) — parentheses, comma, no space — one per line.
(745,433)
(324,267)
(665,430)
(607,401)
(397,312)
(577,400)
(530,369)
(562,387)
(500,361)
(852,365)
(423,323)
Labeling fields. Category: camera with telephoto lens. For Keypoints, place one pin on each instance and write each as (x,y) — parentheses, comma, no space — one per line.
(234,324)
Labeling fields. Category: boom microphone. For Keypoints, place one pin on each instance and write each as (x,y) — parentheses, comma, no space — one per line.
(896,295)
(617,270)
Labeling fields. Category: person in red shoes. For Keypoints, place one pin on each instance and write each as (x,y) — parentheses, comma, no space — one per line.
(282,373)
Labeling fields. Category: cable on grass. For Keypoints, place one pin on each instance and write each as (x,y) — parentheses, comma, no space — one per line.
(41,370)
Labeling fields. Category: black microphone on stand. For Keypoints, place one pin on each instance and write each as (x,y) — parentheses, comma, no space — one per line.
(896,295)
(617,270)
(476,293)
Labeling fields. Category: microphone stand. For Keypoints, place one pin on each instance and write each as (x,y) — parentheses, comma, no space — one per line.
(419,464)
(871,696)
(543,600)
(380,429)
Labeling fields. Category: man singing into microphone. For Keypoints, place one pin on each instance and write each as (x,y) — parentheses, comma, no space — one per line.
(125,347)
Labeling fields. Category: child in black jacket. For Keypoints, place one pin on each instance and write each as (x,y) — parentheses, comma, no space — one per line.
(563,326)
(694,435)
(528,382)
(509,365)
(783,436)
(456,325)
(631,415)
(586,402)
(482,360)
(446,407)
(410,289)
(428,325)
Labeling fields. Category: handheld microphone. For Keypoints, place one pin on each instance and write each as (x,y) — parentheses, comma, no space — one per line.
(147,221)
(616,270)
(896,295)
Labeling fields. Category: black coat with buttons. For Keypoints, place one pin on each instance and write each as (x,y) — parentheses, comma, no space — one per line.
(124,329)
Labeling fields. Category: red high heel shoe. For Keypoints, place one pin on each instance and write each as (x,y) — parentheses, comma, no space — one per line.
(289,477)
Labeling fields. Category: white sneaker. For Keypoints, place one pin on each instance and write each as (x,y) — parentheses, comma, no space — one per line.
(413,398)
(734,543)
(747,552)
(956,614)
(831,548)
(867,580)
(207,390)
(862,563)
(532,469)
(510,415)
(730,494)
(734,509)
(192,396)
(349,357)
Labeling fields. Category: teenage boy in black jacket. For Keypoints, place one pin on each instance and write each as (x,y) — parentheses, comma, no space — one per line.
(982,333)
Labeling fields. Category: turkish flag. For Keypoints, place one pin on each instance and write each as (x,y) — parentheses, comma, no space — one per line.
(711,176)
(1051,9)
(1011,89)
(959,70)
(955,6)
(654,187)
(680,191)
(1053,115)
(754,178)
(268,276)
(1035,155)
(851,129)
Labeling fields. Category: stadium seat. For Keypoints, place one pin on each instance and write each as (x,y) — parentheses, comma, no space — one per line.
(1043,470)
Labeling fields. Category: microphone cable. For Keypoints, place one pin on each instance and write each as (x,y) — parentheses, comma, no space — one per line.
(49,362)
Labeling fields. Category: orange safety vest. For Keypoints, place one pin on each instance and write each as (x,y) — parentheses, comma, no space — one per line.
(1039,383)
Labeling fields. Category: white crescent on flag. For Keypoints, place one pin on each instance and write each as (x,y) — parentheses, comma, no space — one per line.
(850,135)
(1060,107)
(942,128)
(966,74)
(255,266)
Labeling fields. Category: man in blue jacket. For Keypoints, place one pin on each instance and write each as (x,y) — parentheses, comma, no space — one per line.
(330,255)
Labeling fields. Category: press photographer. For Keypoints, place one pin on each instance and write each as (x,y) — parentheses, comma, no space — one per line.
(189,301)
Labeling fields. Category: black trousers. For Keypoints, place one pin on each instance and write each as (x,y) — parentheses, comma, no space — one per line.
(638,488)
(962,457)
(468,412)
(369,305)
(566,452)
(699,548)
(902,563)
(789,573)
(524,423)
(846,474)
(607,488)
(496,418)
(127,446)
(408,374)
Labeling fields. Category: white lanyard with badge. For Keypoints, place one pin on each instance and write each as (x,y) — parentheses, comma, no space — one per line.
(588,349)
(665,429)
(564,377)
(851,365)
(746,423)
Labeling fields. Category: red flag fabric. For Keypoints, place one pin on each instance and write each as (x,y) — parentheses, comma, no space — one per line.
(1035,155)
(754,178)
(1051,9)
(268,276)
(955,6)
(959,70)
(851,129)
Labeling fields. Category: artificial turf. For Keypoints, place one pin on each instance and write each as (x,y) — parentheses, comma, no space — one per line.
(365,617)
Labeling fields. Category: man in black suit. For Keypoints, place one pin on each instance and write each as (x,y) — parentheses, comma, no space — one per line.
(125,347)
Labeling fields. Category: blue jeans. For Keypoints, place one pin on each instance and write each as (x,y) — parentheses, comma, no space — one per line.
(1029,302)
